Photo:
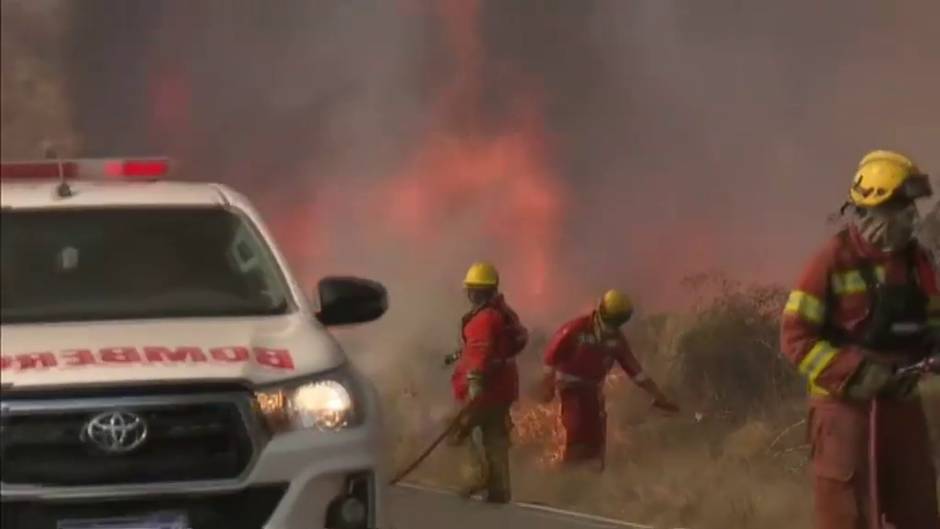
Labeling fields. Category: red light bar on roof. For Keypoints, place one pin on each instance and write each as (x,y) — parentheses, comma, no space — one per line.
(87,169)
(136,168)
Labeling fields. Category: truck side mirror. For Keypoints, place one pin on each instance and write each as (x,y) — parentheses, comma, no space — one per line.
(350,300)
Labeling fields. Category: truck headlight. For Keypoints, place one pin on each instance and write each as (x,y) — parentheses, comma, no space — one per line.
(324,404)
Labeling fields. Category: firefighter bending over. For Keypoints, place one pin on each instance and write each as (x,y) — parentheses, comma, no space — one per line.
(578,359)
(486,379)
(865,305)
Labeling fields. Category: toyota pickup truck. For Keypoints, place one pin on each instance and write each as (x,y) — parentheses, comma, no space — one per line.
(163,369)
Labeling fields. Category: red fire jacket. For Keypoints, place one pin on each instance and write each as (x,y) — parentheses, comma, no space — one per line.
(577,354)
(491,336)
(832,291)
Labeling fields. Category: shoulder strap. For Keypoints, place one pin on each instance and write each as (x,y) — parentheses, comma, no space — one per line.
(912,255)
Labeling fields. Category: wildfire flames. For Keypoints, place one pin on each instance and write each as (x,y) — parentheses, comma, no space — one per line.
(502,182)
(538,426)
(500,179)
(484,185)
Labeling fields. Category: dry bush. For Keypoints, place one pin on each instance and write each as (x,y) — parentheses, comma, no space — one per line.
(729,357)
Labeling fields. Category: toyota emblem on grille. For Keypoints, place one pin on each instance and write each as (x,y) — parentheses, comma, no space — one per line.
(115,432)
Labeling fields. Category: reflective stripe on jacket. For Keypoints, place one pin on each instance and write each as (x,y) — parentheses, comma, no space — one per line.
(578,353)
(826,313)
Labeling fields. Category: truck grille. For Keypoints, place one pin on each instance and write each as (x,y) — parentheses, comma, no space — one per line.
(185,441)
(246,509)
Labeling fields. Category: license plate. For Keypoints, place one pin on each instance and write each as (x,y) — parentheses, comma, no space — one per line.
(152,521)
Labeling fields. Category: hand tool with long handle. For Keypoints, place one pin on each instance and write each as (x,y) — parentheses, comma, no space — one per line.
(434,444)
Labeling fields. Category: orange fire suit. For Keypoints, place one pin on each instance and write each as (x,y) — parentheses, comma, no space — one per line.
(491,337)
(582,361)
(827,332)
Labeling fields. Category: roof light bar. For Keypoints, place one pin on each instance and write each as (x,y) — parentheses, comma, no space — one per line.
(87,169)
(136,168)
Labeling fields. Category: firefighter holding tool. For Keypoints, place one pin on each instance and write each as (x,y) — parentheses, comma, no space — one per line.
(577,361)
(485,381)
(864,310)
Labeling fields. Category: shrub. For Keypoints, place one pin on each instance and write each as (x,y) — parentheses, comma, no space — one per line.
(729,356)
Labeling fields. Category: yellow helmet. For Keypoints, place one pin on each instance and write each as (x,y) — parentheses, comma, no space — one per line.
(615,306)
(883,175)
(481,275)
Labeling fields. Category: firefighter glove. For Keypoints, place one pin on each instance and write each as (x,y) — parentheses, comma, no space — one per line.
(869,381)
(475,385)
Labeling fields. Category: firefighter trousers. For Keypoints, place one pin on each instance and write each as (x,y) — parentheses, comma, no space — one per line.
(584,419)
(839,436)
(488,431)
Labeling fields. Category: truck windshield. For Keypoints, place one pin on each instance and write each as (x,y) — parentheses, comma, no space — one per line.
(116,263)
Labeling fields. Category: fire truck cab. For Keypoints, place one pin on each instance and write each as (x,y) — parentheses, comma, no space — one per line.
(162,368)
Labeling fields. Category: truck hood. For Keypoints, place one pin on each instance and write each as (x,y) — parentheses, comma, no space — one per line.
(248,350)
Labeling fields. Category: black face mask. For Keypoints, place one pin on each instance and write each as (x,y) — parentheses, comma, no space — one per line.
(608,324)
(480,296)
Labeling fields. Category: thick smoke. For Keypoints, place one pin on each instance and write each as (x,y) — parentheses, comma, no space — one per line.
(686,136)
(400,140)
(720,134)
(579,144)
(33,103)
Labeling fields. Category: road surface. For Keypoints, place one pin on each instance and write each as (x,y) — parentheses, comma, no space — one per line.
(415,507)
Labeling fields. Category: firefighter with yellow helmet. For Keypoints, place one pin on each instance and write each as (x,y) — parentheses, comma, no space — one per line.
(578,358)
(865,307)
(485,381)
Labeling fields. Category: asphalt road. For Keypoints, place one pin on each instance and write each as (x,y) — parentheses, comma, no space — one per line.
(414,507)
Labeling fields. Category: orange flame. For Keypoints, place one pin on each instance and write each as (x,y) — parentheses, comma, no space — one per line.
(488,181)
(538,426)
(502,179)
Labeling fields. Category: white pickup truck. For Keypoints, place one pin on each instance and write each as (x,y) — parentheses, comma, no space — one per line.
(161,367)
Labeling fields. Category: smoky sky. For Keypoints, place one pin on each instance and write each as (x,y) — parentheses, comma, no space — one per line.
(686,136)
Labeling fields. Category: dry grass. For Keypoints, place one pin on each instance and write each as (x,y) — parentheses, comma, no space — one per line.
(669,472)
(724,463)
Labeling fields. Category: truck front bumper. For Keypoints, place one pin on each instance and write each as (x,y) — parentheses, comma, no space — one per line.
(299,480)
(299,483)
